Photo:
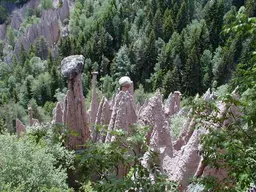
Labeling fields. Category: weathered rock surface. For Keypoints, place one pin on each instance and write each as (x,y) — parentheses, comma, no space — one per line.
(2,31)
(172,104)
(74,105)
(48,26)
(72,66)
(20,127)
(103,118)
(123,115)
(16,20)
(185,135)
(184,166)
(58,113)
(159,135)
(94,103)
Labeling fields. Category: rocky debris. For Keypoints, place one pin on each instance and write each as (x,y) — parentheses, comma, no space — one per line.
(123,115)
(58,113)
(103,118)
(74,106)
(160,138)
(20,127)
(172,104)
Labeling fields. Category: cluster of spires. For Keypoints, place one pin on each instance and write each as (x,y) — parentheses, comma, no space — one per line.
(180,159)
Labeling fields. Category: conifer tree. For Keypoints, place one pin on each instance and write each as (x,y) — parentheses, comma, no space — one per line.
(182,18)
(168,26)
(191,78)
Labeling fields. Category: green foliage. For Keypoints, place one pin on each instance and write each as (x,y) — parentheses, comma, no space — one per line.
(3,14)
(107,86)
(103,160)
(46,4)
(41,48)
(39,112)
(140,96)
(230,140)
(41,88)
(11,36)
(9,112)
(48,108)
(177,123)
(34,166)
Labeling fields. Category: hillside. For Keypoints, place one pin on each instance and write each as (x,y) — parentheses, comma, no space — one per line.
(185,58)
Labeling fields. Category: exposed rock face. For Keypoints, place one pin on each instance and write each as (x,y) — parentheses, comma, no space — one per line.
(48,27)
(58,113)
(94,104)
(20,127)
(103,118)
(172,104)
(177,96)
(123,115)
(16,20)
(2,31)
(160,138)
(186,134)
(185,164)
(74,106)
(131,89)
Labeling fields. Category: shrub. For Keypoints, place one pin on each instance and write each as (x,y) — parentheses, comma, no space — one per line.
(28,166)
(177,123)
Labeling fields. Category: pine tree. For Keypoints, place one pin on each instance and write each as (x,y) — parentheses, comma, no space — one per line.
(41,48)
(191,78)
(157,23)
(214,21)
(182,18)
(168,26)
(171,81)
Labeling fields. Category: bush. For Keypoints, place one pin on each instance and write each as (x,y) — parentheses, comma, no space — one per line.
(9,112)
(177,123)
(99,164)
(46,4)
(27,166)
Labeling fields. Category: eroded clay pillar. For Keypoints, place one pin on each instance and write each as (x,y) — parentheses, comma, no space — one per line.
(74,116)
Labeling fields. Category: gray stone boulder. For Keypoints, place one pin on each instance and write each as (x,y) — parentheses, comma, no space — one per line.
(72,66)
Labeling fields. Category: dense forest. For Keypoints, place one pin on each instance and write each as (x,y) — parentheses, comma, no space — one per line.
(185,45)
